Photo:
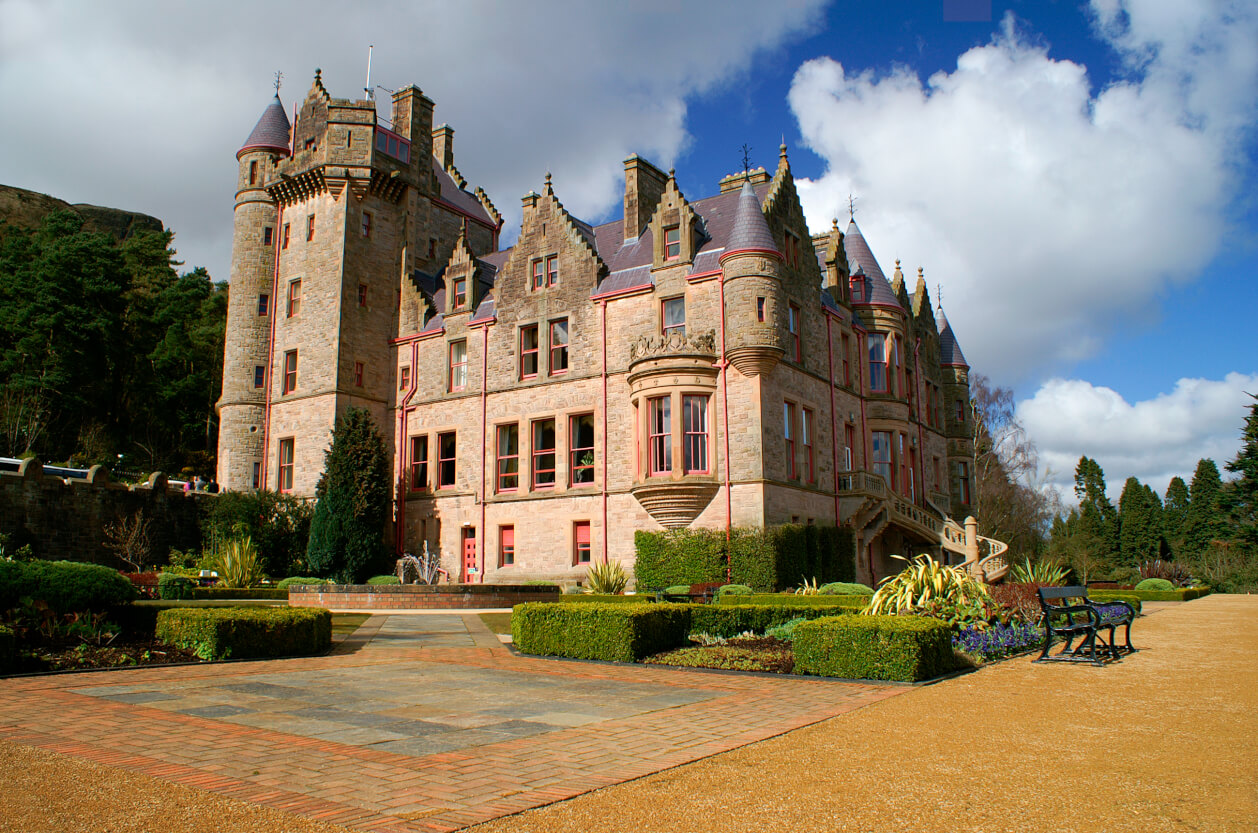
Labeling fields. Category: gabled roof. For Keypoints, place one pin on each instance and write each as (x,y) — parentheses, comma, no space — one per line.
(271,131)
(950,354)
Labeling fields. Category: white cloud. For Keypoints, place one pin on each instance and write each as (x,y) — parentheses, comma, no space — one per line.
(1153,440)
(142,105)
(1047,213)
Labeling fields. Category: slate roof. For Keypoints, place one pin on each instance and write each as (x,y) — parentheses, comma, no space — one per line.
(950,354)
(878,290)
(750,230)
(271,131)
(465,201)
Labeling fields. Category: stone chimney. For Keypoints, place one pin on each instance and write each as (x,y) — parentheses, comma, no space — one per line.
(443,145)
(644,185)
(412,119)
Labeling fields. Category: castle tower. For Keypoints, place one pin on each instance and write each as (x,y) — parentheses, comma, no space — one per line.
(250,303)
(754,305)
(958,418)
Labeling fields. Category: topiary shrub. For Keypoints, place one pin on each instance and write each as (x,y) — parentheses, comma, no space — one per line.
(617,632)
(66,586)
(246,632)
(904,648)
(1155,584)
(172,586)
(376,580)
(733,590)
(845,588)
(284,584)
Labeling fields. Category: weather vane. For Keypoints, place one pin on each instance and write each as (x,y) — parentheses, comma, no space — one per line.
(939,296)
(851,207)
(746,158)
(279,79)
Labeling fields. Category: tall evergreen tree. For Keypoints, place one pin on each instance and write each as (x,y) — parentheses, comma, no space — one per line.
(1174,512)
(1240,497)
(1097,529)
(352,508)
(1134,532)
(1204,521)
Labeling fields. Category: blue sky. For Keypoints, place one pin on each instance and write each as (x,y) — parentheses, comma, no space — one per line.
(1076,175)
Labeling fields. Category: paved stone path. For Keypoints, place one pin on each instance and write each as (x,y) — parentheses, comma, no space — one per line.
(413,723)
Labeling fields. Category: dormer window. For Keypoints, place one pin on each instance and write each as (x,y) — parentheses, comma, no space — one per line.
(858,290)
(459,288)
(672,242)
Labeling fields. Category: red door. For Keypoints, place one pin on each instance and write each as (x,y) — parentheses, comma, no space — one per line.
(469,554)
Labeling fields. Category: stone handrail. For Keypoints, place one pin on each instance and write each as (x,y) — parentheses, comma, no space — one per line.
(862,482)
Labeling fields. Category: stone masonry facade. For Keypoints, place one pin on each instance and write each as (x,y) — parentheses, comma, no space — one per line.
(707,363)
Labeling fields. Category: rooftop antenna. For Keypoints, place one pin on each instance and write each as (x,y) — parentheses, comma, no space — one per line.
(369,90)
(279,80)
(851,207)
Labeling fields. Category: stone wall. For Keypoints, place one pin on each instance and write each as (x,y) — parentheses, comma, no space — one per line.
(65,519)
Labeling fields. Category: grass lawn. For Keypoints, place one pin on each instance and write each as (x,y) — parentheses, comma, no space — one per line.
(497,622)
(343,624)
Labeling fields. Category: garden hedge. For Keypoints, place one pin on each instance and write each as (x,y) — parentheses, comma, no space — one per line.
(766,559)
(257,593)
(1155,584)
(285,583)
(1181,594)
(602,597)
(732,619)
(904,648)
(67,586)
(240,632)
(8,648)
(617,632)
(174,586)
(791,600)
(374,580)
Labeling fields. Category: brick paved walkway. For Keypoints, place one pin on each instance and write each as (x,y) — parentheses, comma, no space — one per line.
(413,723)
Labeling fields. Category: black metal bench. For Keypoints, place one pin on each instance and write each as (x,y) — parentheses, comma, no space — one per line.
(1069,614)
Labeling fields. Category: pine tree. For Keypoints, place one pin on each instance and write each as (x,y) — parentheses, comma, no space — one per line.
(1133,516)
(1098,526)
(1240,497)
(352,508)
(1204,521)
(1173,514)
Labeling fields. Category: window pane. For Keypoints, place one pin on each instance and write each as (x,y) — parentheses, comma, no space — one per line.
(581,449)
(661,435)
(544,453)
(559,346)
(675,315)
(695,416)
(419,462)
(528,351)
(508,457)
(446,447)
(458,365)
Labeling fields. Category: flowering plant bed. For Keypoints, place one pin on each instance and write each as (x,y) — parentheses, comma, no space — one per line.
(740,653)
(81,656)
(998,641)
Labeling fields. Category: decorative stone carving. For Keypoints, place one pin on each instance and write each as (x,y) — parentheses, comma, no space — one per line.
(654,346)
(755,360)
(675,504)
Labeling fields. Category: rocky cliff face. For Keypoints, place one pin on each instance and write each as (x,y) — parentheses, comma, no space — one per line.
(27,209)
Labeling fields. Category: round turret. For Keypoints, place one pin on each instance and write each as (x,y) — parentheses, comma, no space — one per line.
(754,304)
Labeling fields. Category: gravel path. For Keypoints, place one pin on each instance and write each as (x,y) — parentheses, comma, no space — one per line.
(1163,741)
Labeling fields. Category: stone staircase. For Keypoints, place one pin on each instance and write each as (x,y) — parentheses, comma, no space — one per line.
(984,558)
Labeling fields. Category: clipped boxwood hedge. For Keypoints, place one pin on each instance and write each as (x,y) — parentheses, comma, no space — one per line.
(263,593)
(602,597)
(174,586)
(8,648)
(1180,594)
(67,586)
(791,600)
(246,632)
(285,583)
(617,632)
(733,619)
(904,648)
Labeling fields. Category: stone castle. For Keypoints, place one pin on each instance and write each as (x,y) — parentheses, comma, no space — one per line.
(705,363)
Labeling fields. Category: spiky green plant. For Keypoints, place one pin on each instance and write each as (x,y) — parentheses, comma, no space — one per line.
(923,584)
(1041,572)
(607,579)
(807,589)
(238,564)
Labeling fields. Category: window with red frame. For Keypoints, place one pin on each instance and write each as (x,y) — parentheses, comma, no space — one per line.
(857,285)
(310,226)
(660,434)
(558,347)
(694,411)
(792,248)
(760,310)
(287,455)
(881,444)
(264,304)
(506,546)
(672,242)
(458,365)
(419,463)
(877,363)
(404,377)
(284,241)
(539,273)
(362,295)
(366,225)
(257,475)
(963,481)
(290,372)
(294,298)
(552,270)
(849,445)
(528,352)
(847,360)
(581,542)
(544,454)
(805,436)
(460,293)
(903,458)
(253,172)
(259,376)
(788,434)
(447,450)
(792,326)
(673,315)
(268,235)
(358,374)
(581,449)
(508,453)
(960,403)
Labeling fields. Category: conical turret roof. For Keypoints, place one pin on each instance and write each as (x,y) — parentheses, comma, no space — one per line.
(950,354)
(271,131)
(861,259)
(750,230)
